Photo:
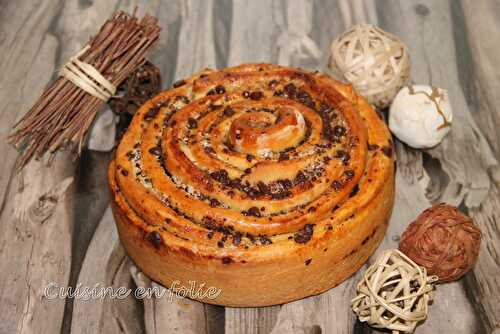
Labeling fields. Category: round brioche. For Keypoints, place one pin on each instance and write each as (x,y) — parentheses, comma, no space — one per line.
(269,183)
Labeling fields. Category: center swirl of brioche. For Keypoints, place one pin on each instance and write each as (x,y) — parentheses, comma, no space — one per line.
(262,132)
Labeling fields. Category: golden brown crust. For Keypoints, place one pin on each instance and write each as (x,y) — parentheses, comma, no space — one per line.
(270,183)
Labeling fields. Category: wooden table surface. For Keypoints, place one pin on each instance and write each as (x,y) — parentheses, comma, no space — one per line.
(55,223)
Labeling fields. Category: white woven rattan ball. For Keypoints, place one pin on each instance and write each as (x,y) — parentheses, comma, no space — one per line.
(374,61)
(394,293)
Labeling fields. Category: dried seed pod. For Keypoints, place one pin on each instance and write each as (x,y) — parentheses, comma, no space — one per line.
(140,86)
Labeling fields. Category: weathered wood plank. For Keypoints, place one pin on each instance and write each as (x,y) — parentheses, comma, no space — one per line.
(457,171)
(36,215)
(35,243)
(479,21)
(106,265)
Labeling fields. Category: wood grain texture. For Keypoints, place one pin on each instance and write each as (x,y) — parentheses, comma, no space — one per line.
(457,173)
(54,221)
(480,51)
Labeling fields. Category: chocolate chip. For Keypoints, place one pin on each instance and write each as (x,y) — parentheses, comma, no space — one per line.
(227,260)
(215,106)
(154,238)
(285,183)
(264,240)
(290,90)
(192,123)
(303,235)
(257,95)
(228,112)
(179,83)
(305,99)
(324,108)
(253,211)
(354,191)
(387,150)
(344,156)
(209,223)
(281,194)
(340,154)
(220,89)
(336,185)
(272,83)
(214,203)
(250,237)
(339,130)
(237,238)
(308,261)
(182,98)
(151,113)
(252,192)
(130,155)
(263,188)
(155,150)
(221,176)
(300,178)
(236,183)
(303,95)
(283,156)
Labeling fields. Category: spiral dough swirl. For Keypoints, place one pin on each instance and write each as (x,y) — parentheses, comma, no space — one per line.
(252,161)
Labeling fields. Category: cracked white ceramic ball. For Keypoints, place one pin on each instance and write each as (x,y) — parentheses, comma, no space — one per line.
(420,115)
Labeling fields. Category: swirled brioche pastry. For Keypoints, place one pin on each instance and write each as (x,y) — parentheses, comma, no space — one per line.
(267,182)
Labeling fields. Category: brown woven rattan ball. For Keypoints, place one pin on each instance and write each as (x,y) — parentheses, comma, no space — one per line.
(443,240)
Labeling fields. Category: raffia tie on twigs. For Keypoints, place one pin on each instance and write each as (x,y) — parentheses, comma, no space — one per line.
(87,77)
(394,293)
(66,110)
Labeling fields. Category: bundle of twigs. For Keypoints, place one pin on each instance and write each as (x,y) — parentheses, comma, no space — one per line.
(64,112)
